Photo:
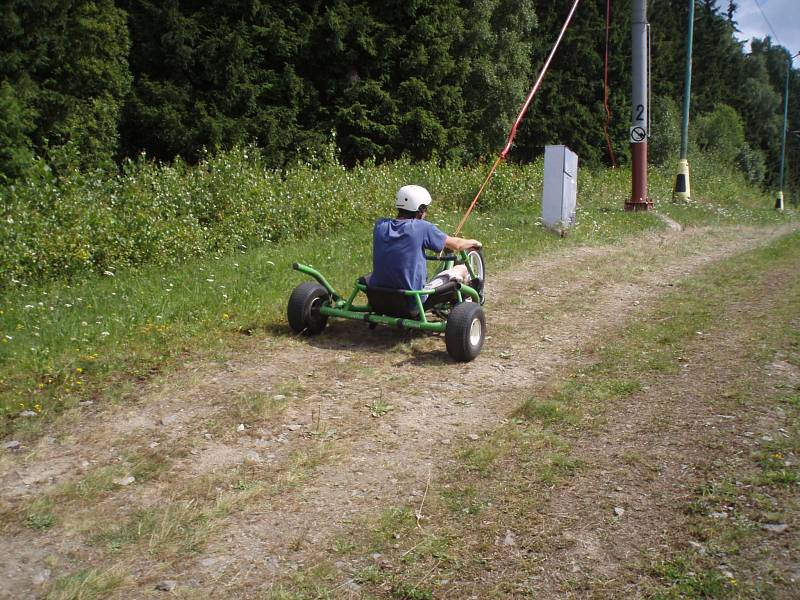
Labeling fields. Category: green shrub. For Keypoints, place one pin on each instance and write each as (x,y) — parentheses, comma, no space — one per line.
(16,123)
(69,225)
(752,163)
(665,140)
(72,224)
(721,133)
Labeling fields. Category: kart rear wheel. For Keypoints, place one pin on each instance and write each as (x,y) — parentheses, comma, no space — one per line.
(466,330)
(303,308)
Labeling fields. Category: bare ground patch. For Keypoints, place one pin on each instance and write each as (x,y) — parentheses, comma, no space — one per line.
(657,484)
(304,437)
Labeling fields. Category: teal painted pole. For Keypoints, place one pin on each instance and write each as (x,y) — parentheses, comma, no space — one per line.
(687,84)
(779,199)
(682,190)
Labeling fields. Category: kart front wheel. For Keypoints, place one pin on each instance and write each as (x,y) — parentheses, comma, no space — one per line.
(477,268)
(303,308)
(466,330)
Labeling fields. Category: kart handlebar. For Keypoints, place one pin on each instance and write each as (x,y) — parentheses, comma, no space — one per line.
(443,258)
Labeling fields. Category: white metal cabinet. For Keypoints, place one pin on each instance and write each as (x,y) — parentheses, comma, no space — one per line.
(560,192)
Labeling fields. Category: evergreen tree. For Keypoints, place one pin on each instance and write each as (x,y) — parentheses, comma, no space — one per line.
(422,78)
(16,125)
(732,8)
(499,45)
(568,108)
(412,78)
(761,106)
(668,21)
(214,74)
(67,62)
(717,59)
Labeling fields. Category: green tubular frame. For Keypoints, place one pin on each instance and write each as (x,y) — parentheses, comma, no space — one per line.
(347,310)
(318,276)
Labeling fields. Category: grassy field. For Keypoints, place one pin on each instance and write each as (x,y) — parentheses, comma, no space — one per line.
(626,400)
(92,338)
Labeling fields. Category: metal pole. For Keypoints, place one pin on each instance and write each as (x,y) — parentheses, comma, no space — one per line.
(687,83)
(682,189)
(779,198)
(794,200)
(639,117)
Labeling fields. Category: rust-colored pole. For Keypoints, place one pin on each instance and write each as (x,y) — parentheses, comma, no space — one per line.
(639,199)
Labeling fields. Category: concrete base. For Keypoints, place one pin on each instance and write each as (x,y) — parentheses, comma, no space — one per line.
(779,201)
(641,205)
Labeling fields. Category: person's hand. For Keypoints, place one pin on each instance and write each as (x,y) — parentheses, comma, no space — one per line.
(461,244)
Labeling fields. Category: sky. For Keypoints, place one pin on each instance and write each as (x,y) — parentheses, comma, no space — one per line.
(783,16)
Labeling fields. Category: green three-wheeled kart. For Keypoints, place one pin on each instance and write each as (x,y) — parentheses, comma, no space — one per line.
(444,306)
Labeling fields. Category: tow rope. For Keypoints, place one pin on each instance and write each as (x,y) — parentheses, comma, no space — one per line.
(512,134)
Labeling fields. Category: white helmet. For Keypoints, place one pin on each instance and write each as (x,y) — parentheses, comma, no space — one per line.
(412,197)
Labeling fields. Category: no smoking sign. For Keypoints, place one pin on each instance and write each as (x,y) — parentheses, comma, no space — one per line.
(638,134)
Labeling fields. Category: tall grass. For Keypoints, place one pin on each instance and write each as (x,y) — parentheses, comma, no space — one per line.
(179,292)
(65,227)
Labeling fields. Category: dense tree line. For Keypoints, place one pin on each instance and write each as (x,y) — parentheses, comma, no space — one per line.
(84,83)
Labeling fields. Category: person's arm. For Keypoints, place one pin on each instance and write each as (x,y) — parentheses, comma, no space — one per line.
(458,244)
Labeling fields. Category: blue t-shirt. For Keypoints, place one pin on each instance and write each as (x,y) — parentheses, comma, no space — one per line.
(398,252)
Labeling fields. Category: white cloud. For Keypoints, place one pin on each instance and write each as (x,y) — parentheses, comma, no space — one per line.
(782,15)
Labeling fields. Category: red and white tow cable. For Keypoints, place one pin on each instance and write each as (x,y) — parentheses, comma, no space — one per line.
(512,134)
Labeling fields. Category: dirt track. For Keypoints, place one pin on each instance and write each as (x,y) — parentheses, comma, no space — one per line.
(332,460)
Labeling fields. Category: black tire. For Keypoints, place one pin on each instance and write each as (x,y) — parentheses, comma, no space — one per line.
(466,330)
(303,308)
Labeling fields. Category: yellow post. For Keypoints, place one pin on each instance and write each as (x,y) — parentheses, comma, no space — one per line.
(682,191)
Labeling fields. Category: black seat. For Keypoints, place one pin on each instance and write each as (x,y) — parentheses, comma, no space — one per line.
(387,301)
(395,303)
